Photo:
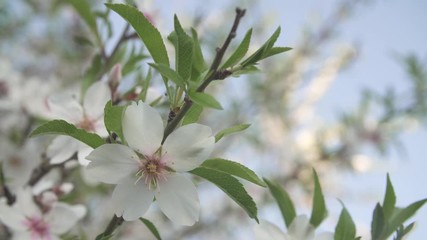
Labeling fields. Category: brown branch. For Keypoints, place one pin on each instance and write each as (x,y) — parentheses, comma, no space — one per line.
(10,198)
(45,168)
(213,75)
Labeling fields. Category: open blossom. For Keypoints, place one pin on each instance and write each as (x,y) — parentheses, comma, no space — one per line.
(146,168)
(300,229)
(27,221)
(89,116)
(18,163)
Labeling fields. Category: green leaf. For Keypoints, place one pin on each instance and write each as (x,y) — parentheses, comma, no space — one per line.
(378,224)
(319,211)
(113,119)
(283,200)
(145,86)
(240,51)
(193,114)
(184,51)
(246,70)
(277,50)
(199,65)
(389,199)
(205,100)
(263,51)
(233,168)
(145,30)
(151,227)
(84,10)
(231,186)
(169,73)
(102,237)
(92,73)
(402,231)
(230,130)
(345,228)
(61,127)
(401,215)
(131,64)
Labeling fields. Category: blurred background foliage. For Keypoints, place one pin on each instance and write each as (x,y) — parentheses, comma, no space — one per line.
(53,41)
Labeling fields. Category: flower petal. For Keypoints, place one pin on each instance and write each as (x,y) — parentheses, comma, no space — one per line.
(110,163)
(97,95)
(61,149)
(177,198)
(300,228)
(188,146)
(25,203)
(83,152)
(131,200)
(142,128)
(66,107)
(11,217)
(267,230)
(62,217)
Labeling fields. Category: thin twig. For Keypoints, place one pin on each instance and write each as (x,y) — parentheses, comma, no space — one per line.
(214,74)
(45,168)
(10,198)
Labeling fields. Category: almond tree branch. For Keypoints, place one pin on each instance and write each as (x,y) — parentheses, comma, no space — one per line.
(214,74)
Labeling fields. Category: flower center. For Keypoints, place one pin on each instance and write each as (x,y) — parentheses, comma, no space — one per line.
(87,124)
(38,228)
(152,170)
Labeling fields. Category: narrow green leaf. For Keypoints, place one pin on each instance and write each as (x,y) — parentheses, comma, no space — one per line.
(169,73)
(193,114)
(230,130)
(84,10)
(113,119)
(205,100)
(283,200)
(345,229)
(262,52)
(102,237)
(92,72)
(402,231)
(145,30)
(199,65)
(233,168)
(61,127)
(378,224)
(231,186)
(240,51)
(401,215)
(151,227)
(131,64)
(389,199)
(145,86)
(276,50)
(246,70)
(184,51)
(319,211)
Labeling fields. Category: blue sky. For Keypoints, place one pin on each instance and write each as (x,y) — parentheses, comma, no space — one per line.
(381,30)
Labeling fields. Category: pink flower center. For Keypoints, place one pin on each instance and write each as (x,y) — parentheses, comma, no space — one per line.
(38,228)
(87,124)
(152,170)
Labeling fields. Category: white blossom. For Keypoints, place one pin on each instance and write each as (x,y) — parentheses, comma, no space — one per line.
(148,168)
(89,116)
(27,221)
